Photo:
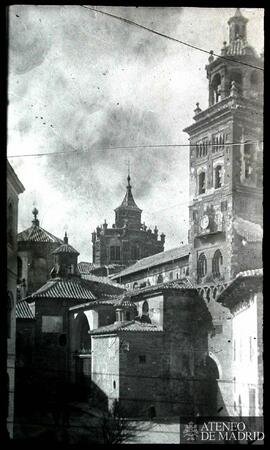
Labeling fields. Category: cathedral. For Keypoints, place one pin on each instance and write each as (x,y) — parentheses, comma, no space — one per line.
(187,325)
(129,239)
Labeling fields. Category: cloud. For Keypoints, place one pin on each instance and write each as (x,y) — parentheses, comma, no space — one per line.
(28,41)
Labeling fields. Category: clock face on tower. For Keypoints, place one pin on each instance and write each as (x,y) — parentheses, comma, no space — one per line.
(204,221)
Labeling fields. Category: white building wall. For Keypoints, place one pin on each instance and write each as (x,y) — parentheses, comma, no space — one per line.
(245,360)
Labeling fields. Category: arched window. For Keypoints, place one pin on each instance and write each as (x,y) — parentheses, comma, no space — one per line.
(216,89)
(217,263)
(115,253)
(218,176)
(202,265)
(201,182)
(249,151)
(160,278)
(237,77)
(145,307)
(134,252)
(19,269)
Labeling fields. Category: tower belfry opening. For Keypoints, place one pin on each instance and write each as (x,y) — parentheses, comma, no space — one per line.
(226,163)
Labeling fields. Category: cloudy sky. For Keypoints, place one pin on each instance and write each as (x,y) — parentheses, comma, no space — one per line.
(82,81)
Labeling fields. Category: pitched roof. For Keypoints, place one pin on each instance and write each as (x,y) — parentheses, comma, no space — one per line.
(132,325)
(65,248)
(74,288)
(182,284)
(155,260)
(23,310)
(225,295)
(37,234)
(86,267)
(12,177)
(103,285)
(251,231)
(128,201)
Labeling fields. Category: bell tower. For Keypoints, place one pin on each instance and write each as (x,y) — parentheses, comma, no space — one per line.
(226,164)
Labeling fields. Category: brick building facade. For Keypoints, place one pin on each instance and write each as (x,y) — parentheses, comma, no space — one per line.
(128,240)
(155,344)
(225,187)
(165,266)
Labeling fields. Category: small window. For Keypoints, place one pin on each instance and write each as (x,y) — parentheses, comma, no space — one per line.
(234,350)
(202,265)
(218,329)
(127,315)
(216,263)
(216,89)
(160,278)
(249,151)
(115,253)
(145,307)
(202,183)
(114,384)
(134,252)
(251,351)
(171,276)
(218,176)
(142,359)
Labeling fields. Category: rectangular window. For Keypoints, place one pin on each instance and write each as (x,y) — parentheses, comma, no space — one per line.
(234,350)
(52,324)
(201,183)
(115,253)
(218,328)
(142,359)
(250,348)
(224,205)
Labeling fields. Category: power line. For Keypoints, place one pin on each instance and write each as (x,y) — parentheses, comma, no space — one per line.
(127,147)
(131,22)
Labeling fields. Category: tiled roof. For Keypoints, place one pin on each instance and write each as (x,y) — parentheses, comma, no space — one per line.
(155,260)
(37,234)
(110,300)
(23,310)
(86,267)
(131,325)
(65,248)
(103,285)
(183,284)
(74,288)
(128,201)
(251,231)
(247,274)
